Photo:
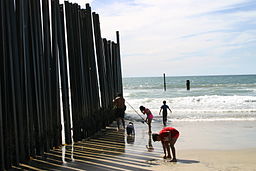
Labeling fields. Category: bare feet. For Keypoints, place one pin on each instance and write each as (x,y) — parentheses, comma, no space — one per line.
(173,160)
(165,157)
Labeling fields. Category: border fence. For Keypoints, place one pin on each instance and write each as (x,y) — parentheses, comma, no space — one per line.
(56,73)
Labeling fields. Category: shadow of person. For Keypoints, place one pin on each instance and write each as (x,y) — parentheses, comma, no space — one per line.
(187,161)
(130,139)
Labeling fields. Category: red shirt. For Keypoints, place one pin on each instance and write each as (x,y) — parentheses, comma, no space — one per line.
(164,132)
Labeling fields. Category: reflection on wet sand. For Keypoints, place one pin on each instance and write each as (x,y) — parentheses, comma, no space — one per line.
(150,146)
(130,139)
(105,151)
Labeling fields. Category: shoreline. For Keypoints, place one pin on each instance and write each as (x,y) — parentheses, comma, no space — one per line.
(208,135)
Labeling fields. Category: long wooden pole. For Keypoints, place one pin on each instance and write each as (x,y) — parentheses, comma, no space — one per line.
(164,83)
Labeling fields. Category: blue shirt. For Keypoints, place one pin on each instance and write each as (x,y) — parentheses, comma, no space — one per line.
(165,107)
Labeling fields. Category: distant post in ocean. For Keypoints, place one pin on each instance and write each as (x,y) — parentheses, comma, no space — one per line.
(188,84)
(164,83)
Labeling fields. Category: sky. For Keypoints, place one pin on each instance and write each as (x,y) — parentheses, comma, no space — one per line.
(181,37)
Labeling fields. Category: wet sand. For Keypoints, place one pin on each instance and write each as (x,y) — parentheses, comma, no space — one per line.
(206,146)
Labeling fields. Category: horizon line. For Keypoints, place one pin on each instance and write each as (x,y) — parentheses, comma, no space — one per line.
(191,75)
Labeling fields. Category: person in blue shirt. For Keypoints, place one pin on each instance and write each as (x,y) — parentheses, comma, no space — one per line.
(164,107)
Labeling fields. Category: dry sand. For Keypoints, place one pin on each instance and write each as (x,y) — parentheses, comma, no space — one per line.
(212,160)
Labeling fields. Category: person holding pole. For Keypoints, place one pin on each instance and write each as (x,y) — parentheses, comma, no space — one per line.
(136,112)
(149,116)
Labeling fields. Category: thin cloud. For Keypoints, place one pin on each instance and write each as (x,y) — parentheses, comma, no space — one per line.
(164,36)
(248,6)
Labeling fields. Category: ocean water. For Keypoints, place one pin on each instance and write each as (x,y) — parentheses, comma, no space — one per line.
(210,98)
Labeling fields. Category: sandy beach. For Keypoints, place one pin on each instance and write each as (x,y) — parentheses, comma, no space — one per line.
(212,160)
(206,146)
(218,145)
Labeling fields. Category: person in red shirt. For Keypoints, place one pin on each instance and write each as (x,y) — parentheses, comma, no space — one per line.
(168,136)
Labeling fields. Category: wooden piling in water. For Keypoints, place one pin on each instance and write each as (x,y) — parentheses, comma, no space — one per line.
(164,83)
(188,84)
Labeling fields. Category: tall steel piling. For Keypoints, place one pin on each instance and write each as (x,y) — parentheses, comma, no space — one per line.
(39,41)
